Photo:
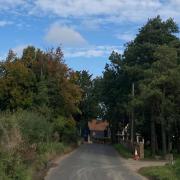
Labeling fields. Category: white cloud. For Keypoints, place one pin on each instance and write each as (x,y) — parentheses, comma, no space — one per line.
(67,36)
(92,24)
(91,52)
(5,23)
(99,11)
(7,4)
(19,49)
(76,8)
(127,36)
(113,11)
(86,53)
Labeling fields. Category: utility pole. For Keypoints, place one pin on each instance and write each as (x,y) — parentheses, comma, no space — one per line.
(132,117)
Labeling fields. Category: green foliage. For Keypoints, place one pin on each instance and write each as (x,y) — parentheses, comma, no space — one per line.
(66,129)
(12,167)
(16,86)
(147,153)
(34,127)
(176,168)
(46,152)
(89,104)
(124,152)
(167,172)
(151,63)
(10,135)
(159,173)
(38,79)
(26,140)
(52,147)
(42,86)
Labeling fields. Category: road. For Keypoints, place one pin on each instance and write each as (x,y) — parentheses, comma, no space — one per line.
(92,162)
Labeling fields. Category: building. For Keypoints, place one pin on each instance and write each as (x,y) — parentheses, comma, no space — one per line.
(99,129)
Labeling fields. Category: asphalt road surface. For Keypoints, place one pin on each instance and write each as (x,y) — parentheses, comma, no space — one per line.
(92,162)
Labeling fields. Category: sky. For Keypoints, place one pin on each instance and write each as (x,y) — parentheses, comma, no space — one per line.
(87,30)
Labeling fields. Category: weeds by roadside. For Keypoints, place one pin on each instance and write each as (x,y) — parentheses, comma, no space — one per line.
(27,143)
(167,172)
(124,152)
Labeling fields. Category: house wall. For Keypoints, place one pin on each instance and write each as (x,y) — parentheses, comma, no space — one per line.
(99,134)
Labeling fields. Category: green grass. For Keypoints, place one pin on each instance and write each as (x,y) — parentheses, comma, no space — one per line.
(45,153)
(147,154)
(15,166)
(167,172)
(159,173)
(124,152)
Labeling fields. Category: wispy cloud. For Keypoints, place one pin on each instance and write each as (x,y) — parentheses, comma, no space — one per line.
(114,11)
(98,11)
(77,8)
(125,36)
(19,49)
(5,23)
(7,4)
(91,52)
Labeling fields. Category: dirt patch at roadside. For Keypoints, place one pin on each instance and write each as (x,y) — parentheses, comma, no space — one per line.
(135,165)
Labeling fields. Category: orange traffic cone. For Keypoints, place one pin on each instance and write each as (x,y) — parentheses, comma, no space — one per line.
(136,156)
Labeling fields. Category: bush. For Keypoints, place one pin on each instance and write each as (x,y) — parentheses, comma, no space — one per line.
(57,148)
(47,151)
(176,168)
(66,129)
(10,135)
(124,152)
(26,142)
(12,167)
(34,127)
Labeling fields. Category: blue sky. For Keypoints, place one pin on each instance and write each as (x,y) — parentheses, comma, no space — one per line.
(87,30)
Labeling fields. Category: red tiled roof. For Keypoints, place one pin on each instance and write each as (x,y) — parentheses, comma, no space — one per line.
(97,125)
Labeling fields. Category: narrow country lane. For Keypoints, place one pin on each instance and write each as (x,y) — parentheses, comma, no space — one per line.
(92,162)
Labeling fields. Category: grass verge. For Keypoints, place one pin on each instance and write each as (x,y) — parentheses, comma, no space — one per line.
(167,172)
(124,152)
(158,173)
(48,152)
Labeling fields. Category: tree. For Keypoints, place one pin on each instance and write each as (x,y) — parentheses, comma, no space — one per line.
(16,86)
(89,104)
(139,57)
(115,90)
(150,62)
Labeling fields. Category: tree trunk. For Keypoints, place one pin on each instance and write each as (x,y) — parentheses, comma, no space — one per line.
(169,143)
(163,130)
(178,139)
(153,135)
(157,145)
(178,145)
(163,136)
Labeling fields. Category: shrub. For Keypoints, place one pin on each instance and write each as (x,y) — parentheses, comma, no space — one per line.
(123,151)
(50,148)
(176,168)
(45,152)
(12,167)
(10,135)
(34,127)
(66,129)
(25,141)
